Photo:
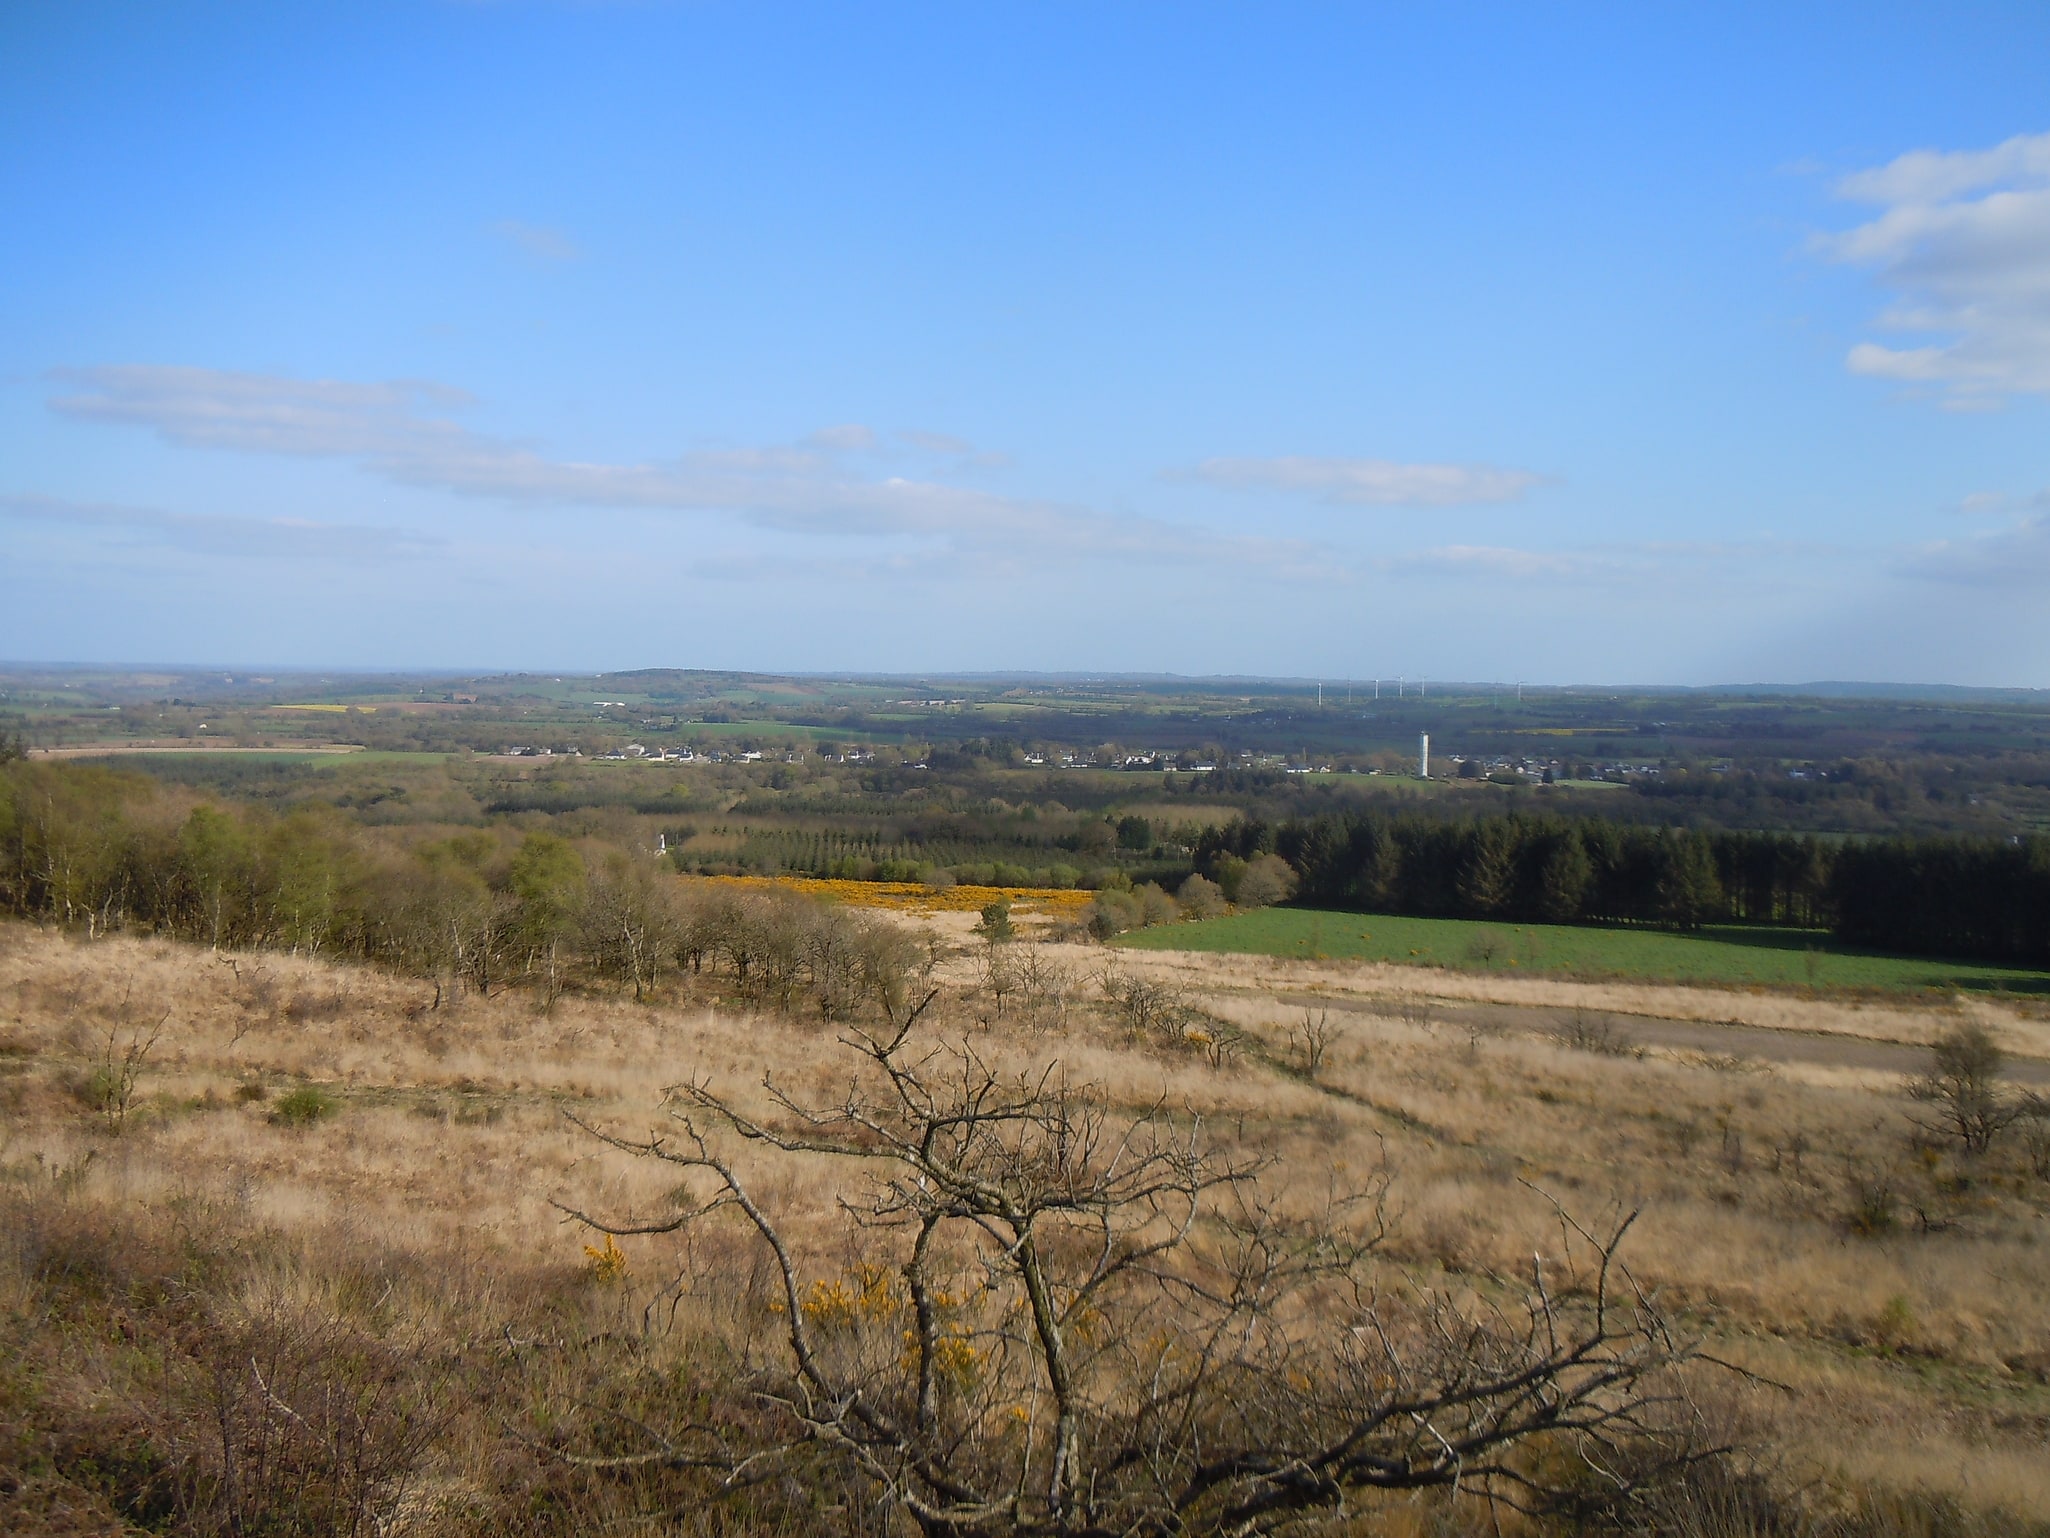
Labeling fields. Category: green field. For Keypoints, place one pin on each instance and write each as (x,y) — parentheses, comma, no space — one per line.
(1776,957)
(326,759)
(148,760)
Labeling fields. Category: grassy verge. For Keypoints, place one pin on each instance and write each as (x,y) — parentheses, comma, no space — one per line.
(1732,954)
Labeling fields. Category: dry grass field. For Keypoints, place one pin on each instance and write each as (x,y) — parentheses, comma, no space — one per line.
(218,1167)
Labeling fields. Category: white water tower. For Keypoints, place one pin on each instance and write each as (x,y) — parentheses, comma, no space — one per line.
(1423,755)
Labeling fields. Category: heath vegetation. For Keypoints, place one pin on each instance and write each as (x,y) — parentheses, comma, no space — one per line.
(815,1234)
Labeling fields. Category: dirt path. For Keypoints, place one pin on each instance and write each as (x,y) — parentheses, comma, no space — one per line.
(1717,1039)
(1905,1022)
(1875,1036)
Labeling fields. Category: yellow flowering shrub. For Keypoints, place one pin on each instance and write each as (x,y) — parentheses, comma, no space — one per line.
(916,897)
(608,1264)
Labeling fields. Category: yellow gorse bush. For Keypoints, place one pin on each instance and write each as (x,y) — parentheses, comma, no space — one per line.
(871,1295)
(915,897)
(868,1294)
(608,1264)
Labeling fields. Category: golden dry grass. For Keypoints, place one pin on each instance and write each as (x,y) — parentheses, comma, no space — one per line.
(1918,1356)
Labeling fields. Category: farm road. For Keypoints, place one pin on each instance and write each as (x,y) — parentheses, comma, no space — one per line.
(1720,1039)
(1882,1035)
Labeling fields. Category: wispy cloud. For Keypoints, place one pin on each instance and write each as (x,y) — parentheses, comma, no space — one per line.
(213,534)
(1370,482)
(950,447)
(809,488)
(2017,556)
(1632,568)
(847,438)
(1963,239)
(1503,561)
(539,241)
(1995,503)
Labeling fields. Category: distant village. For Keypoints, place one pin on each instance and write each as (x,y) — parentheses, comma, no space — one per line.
(1501,769)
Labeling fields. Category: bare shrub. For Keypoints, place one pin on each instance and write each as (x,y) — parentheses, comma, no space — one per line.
(1143,1007)
(108,1086)
(1415,1010)
(1311,1038)
(1591,1031)
(996,973)
(310,1427)
(1487,947)
(1874,1205)
(1045,987)
(1219,1041)
(1068,1319)
(2035,1127)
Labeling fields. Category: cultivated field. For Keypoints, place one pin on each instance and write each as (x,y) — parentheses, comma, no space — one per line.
(1717,954)
(220,1167)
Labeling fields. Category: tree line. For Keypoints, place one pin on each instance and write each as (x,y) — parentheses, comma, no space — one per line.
(102,851)
(1984,898)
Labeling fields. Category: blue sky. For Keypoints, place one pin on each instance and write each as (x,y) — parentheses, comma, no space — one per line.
(1630,343)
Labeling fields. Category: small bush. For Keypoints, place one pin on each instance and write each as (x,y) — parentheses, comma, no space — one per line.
(996,920)
(1200,898)
(1112,913)
(1874,1209)
(1597,1033)
(1266,880)
(302,1107)
(1155,906)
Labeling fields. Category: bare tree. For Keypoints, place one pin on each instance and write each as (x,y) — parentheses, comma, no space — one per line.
(627,923)
(1072,1320)
(1045,988)
(1963,1084)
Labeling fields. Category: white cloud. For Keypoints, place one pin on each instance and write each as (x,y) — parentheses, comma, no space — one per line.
(539,241)
(1963,240)
(803,488)
(1370,482)
(213,534)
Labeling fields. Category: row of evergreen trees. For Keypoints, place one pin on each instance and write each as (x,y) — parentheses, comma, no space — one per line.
(1985,898)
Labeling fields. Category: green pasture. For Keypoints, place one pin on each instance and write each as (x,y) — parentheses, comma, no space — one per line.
(1719,954)
(147,761)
